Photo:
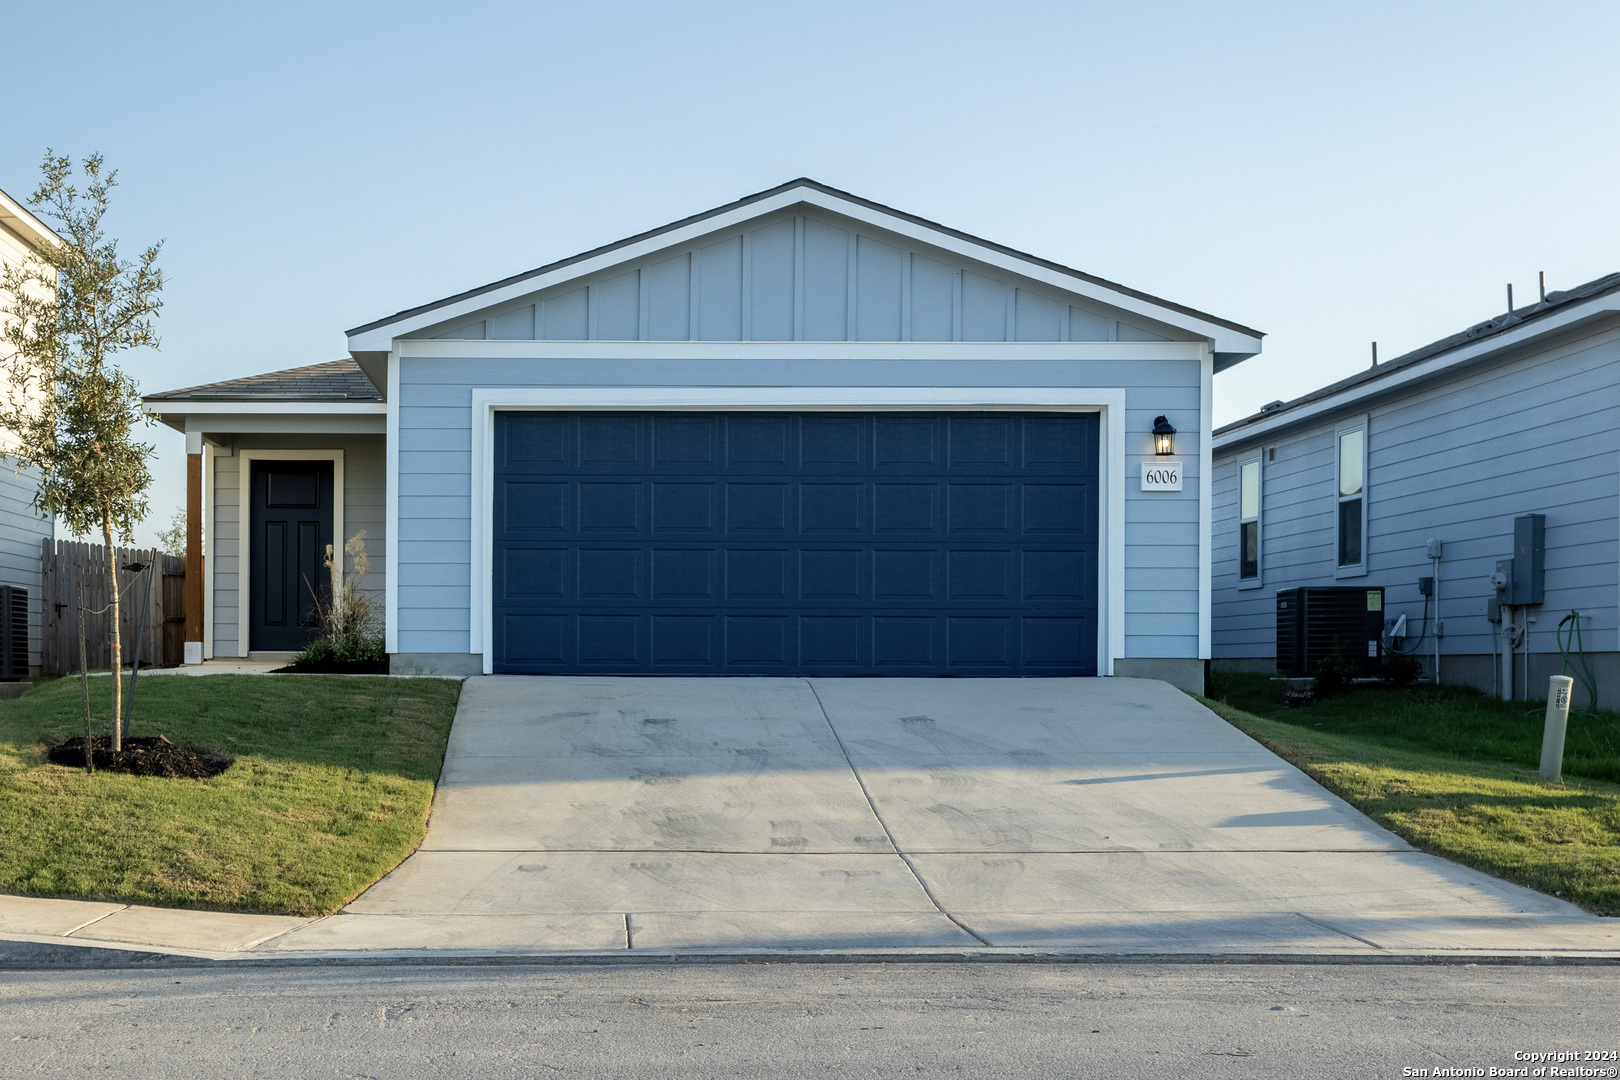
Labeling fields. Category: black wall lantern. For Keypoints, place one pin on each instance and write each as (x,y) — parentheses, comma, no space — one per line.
(1164,437)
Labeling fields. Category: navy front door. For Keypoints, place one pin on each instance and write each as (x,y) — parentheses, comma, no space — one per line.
(290,518)
(780,543)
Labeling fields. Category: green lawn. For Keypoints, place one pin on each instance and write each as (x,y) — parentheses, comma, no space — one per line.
(329,790)
(1443,719)
(1453,772)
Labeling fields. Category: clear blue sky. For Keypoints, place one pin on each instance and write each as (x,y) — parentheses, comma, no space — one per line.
(1328,173)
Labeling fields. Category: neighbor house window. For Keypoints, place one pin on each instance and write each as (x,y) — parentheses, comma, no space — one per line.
(1249,521)
(1352,499)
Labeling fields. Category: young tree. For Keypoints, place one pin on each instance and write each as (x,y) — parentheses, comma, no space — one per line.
(68,310)
(173,539)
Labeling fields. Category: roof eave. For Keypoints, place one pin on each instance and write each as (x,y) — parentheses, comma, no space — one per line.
(1311,409)
(16,217)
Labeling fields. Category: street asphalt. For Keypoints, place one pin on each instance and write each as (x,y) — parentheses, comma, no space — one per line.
(789,1020)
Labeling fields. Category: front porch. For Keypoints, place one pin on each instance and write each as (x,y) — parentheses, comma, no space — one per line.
(278,467)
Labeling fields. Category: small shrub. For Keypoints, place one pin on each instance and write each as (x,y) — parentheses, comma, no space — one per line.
(1333,674)
(1399,670)
(350,639)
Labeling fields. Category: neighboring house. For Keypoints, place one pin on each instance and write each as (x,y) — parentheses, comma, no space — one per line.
(800,433)
(1516,416)
(21,528)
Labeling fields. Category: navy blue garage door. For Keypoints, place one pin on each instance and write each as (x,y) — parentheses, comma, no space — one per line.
(781,543)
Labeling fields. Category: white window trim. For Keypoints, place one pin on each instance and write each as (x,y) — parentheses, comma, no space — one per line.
(244,498)
(1344,427)
(1257,458)
(1109,402)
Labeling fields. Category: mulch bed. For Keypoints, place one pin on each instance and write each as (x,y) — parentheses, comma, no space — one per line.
(141,756)
(334,667)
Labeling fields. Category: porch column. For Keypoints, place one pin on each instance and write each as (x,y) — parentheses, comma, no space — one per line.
(194,558)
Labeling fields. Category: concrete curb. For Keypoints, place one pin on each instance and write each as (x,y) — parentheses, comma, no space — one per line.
(43,954)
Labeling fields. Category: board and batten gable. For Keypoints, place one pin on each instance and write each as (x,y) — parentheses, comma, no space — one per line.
(800,277)
(1534,431)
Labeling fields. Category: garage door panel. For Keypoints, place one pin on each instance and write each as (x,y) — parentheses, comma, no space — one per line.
(834,441)
(904,508)
(764,640)
(905,642)
(983,440)
(539,439)
(606,441)
(759,441)
(757,574)
(685,508)
(834,641)
(684,440)
(609,640)
(980,509)
(831,574)
(830,509)
(980,641)
(609,507)
(536,507)
(683,640)
(760,543)
(534,573)
(757,509)
(905,576)
(683,574)
(610,573)
(906,441)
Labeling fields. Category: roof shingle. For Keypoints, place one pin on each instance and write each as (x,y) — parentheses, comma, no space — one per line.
(339,380)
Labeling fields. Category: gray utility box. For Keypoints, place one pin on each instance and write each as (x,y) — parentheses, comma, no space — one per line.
(1311,622)
(1527,582)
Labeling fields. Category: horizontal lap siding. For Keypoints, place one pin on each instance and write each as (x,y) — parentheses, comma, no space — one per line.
(1456,462)
(435,505)
(364,508)
(21,533)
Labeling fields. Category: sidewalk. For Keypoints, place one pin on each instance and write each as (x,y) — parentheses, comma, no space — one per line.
(1189,936)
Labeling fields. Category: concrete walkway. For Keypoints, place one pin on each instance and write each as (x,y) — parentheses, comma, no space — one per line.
(1089,816)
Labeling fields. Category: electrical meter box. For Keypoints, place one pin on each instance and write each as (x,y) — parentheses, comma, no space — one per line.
(1527,584)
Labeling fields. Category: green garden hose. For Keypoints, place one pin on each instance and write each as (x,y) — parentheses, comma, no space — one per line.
(1584,674)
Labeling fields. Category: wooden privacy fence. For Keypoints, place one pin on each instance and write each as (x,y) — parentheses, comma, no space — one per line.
(66,563)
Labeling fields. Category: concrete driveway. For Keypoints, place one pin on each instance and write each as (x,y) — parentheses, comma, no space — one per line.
(1112,815)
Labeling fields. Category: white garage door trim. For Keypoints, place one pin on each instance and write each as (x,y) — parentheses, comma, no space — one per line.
(1110,402)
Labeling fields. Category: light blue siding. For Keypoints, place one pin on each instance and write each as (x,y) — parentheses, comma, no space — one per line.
(801,277)
(434,404)
(22,532)
(1456,462)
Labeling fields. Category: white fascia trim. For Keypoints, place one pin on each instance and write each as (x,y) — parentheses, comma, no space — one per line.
(391,512)
(486,402)
(1206,505)
(260,408)
(803,350)
(1455,358)
(244,496)
(1224,339)
(20,220)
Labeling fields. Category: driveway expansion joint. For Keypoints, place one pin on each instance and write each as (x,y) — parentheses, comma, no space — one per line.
(932,899)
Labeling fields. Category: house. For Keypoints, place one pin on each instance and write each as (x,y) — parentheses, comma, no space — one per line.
(1452,443)
(799,433)
(22,528)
